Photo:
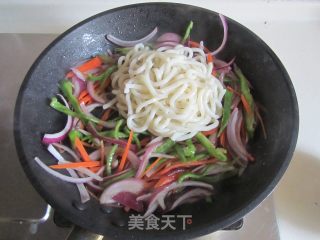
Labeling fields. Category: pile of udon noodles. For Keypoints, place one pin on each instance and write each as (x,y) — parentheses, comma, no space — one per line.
(170,92)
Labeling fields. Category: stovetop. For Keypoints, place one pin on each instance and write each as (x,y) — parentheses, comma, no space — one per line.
(24,214)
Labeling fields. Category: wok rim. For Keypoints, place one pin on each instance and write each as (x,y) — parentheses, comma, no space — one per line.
(189,233)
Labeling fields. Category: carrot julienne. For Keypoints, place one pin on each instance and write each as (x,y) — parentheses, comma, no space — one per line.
(125,153)
(82,150)
(76,165)
(91,64)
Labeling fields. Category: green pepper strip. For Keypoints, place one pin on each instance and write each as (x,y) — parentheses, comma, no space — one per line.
(128,174)
(117,128)
(62,108)
(109,158)
(179,151)
(190,149)
(106,59)
(199,156)
(187,33)
(187,175)
(166,146)
(220,177)
(103,75)
(66,88)
(226,111)
(218,153)
(123,50)
(245,91)
(111,133)
(72,136)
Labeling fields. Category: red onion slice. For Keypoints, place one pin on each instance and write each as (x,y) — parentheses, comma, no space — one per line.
(78,74)
(93,94)
(68,150)
(233,135)
(121,143)
(169,37)
(83,170)
(158,199)
(116,174)
(84,195)
(93,106)
(144,197)
(165,44)
(124,43)
(59,136)
(131,185)
(198,193)
(145,158)
(224,68)
(129,200)
(225,35)
(78,85)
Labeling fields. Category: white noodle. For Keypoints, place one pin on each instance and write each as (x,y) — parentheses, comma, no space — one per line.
(169,91)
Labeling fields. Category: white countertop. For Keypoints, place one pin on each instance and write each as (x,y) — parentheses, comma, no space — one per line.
(290,28)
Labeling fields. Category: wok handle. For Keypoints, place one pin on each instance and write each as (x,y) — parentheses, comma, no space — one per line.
(78,233)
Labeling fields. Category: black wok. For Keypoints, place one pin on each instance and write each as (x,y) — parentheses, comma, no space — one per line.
(235,197)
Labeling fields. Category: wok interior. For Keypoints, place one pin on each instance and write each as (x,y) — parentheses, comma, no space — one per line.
(234,196)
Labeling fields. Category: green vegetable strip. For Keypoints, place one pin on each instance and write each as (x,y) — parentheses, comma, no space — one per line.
(72,136)
(66,88)
(245,91)
(62,108)
(187,33)
(117,128)
(109,159)
(226,111)
(111,133)
(187,175)
(123,50)
(128,174)
(109,71)
(218,153)
(166,146)
(136,140)
(179,151)
(219,177)
(199,156)
(190,149)
(103,75)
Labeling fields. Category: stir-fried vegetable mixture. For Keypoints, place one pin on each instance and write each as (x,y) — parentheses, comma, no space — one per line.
(139,171)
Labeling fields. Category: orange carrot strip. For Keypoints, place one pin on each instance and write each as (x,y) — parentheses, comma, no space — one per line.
(77,165)
(197,45)
(88,65)
(245,104)
(86,100)
(165,180)
(82,150)
(125,153)
(83,94)
(152,166)
(210,132)
(187,164)
(209,58)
